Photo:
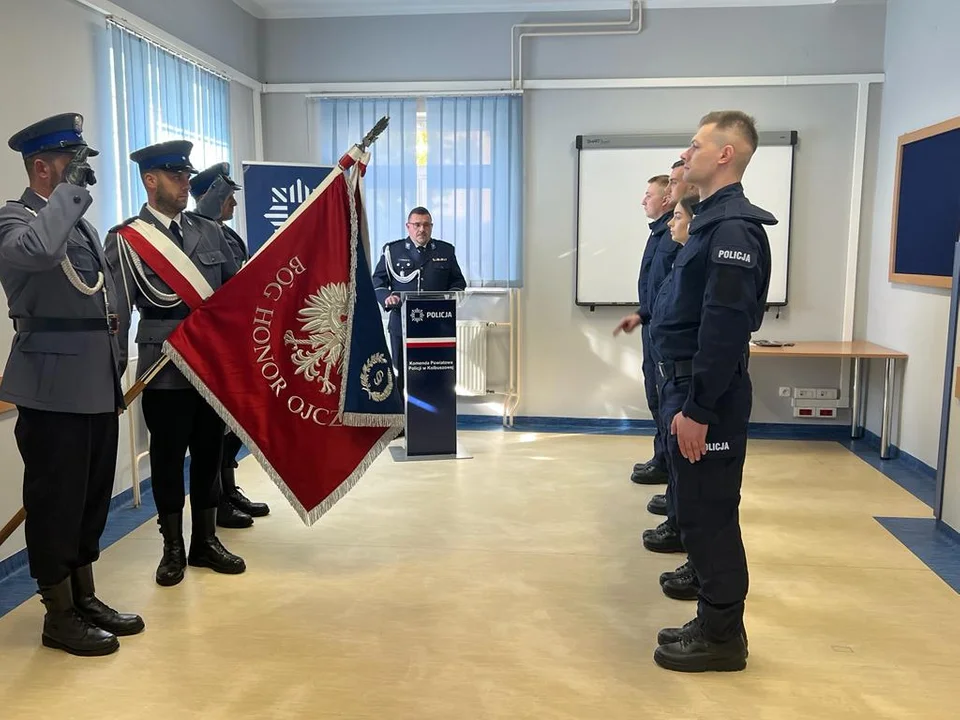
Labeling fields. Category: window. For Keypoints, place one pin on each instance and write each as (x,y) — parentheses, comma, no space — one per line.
(458,156)
(159,96)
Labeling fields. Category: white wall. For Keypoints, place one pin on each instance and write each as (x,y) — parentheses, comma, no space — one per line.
(69,24)
(922,88)
(220,28)
(572,364)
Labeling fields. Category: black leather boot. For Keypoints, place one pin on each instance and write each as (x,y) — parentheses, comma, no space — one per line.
(228,516)
(98,613)
(657,505)
(207,551)
(662,539)
(174,560)
(682,587)
(682,570)
(685,649)
(232,494)
(242,503)
(649,475)
(65,629)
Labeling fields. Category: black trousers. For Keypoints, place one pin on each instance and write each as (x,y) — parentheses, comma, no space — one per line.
(231,446)
(178,420)
(396,348)
(69,461)
(653,400)
(707,497)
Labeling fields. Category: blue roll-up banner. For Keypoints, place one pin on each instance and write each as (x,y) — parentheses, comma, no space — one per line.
(271,194)
(430,338)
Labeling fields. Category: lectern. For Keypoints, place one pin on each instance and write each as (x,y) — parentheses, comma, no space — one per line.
(430,374)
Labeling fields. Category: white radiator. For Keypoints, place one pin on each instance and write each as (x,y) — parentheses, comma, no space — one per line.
(471,358)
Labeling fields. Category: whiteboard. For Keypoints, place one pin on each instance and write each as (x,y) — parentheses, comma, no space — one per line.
(612,228)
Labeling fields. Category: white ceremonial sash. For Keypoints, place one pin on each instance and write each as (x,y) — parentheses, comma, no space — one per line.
(168,261)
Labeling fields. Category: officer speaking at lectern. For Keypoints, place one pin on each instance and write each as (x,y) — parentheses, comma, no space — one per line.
(417,263)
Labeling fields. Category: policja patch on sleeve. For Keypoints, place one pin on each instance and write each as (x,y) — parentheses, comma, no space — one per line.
(739,256)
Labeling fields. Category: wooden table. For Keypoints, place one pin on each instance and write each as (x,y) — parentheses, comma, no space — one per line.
(860,352)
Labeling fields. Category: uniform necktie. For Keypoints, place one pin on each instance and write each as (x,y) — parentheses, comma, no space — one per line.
(175,230)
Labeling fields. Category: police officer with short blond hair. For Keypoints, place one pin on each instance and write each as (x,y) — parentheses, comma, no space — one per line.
(63,374)
(703,316)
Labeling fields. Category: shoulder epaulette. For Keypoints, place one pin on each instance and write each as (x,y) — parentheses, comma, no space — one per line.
(126,222)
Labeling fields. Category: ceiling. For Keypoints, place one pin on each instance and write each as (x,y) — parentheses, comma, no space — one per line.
(274,9)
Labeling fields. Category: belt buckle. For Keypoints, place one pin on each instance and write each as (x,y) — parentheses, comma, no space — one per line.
(113,323)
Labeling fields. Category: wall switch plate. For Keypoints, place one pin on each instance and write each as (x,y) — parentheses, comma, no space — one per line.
(828,393)
(805,393)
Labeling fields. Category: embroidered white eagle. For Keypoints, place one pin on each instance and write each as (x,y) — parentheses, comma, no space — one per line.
(324,320)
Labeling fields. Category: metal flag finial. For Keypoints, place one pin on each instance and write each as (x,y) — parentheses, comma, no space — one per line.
(371,137)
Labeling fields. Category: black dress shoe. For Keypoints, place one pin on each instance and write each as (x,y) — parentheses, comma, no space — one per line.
(649,475)
(174,560)
(207,551)
(657,505)
(228,516)
(66,629)
(98,613)
(693,652)
(662,539)
(245,505)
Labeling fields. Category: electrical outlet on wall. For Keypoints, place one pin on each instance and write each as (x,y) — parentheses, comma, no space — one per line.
(785,392)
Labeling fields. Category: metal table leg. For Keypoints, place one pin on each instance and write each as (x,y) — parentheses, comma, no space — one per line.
(889,380)
(856,399)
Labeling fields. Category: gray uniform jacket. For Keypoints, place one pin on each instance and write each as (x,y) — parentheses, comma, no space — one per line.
(59,371)
(205,244)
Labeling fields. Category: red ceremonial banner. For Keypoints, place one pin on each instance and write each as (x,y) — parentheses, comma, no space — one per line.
(270,351)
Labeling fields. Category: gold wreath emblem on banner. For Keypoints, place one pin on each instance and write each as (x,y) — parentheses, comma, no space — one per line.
(378,378)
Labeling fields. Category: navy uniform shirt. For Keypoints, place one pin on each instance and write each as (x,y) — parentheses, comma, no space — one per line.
(405,268)
(714,297)
(657,260)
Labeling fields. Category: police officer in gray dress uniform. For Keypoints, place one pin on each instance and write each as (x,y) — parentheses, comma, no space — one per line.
(63,374)
(214,189)
(176,415)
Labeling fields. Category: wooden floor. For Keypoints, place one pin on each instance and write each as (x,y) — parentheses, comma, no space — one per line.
(514,585)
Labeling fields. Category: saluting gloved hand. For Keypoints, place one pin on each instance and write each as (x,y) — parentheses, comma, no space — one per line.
(79,172)
(211,204)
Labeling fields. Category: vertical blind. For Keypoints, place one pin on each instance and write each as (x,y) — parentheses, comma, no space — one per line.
(159,96)
(458,156)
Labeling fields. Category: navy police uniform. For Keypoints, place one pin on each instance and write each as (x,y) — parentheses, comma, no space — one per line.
(404,267)
(176,415)
(702,319)
(210,188)
(656,262)
(63,374)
